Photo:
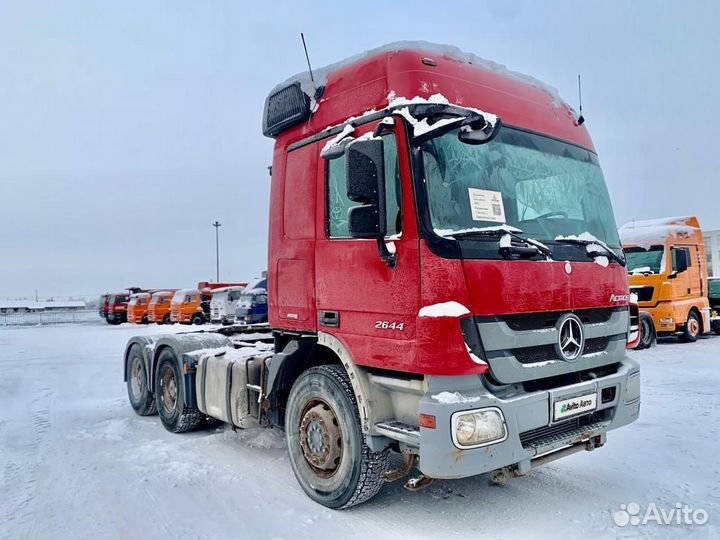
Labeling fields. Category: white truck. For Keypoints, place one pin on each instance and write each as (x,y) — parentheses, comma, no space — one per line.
(223,303)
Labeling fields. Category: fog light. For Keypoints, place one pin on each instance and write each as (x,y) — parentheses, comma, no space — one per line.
(632,390)
(471,429)
(666,320)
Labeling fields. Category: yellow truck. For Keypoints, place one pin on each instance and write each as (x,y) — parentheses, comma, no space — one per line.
(668,272)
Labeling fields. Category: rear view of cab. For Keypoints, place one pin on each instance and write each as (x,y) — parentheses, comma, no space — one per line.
(668,272)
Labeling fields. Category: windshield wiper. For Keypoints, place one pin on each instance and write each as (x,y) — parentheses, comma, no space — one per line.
(531,247)
(604,248)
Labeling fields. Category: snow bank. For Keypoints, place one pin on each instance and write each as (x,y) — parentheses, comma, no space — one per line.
(445,309)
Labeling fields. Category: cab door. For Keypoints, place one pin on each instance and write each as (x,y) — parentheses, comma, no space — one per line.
(682,269)
(368,305)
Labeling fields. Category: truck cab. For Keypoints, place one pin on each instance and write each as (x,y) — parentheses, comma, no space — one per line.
(667,270)
(117,308)
(222,305)
(252,306)
(137,308)
(187,306)
(159,307)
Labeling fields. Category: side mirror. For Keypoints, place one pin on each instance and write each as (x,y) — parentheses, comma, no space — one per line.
(365,174)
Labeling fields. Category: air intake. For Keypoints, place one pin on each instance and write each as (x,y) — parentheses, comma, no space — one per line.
(285,108)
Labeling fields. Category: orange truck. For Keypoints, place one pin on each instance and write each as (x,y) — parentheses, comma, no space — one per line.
(159,307)
(192,306)
(668,272)
(137,308)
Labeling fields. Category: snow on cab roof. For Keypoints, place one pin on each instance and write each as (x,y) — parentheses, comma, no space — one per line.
(226,289)
(652,232)
(446,51)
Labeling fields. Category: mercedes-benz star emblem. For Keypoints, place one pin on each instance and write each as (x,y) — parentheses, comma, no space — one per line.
(571,339)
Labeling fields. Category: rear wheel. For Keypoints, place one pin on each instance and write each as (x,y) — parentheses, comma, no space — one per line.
(327,447)
(647,331)
(141,399)
(692,328)
(175,415)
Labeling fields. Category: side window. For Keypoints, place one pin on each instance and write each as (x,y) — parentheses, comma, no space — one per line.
(338,203)
(681,259)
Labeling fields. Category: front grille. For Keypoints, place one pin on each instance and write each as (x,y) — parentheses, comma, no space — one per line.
(536,321)
(543,353)
(644,294)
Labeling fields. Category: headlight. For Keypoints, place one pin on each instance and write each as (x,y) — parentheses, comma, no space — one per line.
(471,429)
(632,390)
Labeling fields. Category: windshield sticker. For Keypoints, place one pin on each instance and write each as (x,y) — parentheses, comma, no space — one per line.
(486,205)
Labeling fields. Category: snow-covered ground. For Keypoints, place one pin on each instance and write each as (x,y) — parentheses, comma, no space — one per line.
(76,462)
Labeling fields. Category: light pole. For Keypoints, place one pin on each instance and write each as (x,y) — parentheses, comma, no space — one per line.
(217,251)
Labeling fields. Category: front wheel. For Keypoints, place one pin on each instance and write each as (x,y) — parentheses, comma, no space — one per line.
(328,453)
(647,331)
(174,414)
(167,319)
(691,330)
(198,319)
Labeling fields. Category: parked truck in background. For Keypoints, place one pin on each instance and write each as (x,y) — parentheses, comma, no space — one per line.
(252,306)
(444,283)
(159,307)
(137,308)
(222,304)
(103,306)
(668,272)
(117,308)
(192,306)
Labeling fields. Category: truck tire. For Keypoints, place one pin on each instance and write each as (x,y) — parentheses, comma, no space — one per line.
(198,319)
(328,453)
(648,335)
(167,319)
(174,414)
(692,328)
(145,320)
(139,395)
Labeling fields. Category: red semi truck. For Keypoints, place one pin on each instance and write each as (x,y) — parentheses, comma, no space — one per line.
(445,281)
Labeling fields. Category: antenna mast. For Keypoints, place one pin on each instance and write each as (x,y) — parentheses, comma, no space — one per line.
(307,57)
(581,118)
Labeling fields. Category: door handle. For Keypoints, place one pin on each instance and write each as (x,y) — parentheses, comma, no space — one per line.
(330,318)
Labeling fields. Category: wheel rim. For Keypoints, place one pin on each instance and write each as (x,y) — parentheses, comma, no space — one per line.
(694,326)
(321,438)
(168,390)
(137,381)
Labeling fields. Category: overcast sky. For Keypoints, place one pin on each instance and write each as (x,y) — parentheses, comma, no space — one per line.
(127,127)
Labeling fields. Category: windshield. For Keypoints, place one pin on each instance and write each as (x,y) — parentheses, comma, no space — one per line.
(645,261)
(220,296)
(178,298)
(133,301)
(544,187)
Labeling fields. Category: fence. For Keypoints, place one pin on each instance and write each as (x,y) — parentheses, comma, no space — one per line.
(48,317)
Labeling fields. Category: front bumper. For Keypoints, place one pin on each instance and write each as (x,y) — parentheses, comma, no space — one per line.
(527,415)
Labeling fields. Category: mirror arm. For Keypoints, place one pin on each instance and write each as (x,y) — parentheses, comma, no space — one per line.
(390,259)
